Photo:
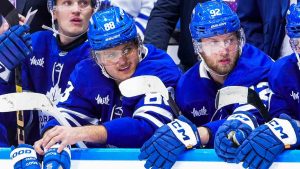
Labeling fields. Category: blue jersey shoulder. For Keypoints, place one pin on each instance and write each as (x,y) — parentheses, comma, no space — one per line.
(160,64)
(253,63)
(284,82)
(284,73)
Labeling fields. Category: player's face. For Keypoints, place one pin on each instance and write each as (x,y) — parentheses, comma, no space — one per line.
(121,61)
(221,52)
(72,16)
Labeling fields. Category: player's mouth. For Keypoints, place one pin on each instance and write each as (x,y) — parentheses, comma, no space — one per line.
(125,68)
(224,61)
(76,21)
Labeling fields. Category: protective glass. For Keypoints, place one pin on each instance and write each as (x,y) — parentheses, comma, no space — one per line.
(231,44)
(111,57)
(71,4)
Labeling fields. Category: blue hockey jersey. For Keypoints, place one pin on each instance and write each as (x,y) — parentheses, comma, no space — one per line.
(3,139)
(93,99)
(196,90)
(284,80)
(47,71)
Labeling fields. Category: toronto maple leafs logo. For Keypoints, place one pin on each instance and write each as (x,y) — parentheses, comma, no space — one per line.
(54,94)
(117,112)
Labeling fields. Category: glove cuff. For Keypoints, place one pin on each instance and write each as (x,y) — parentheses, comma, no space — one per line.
(55,160)
(4,73)
(186,132)
(24,156)
(285,131)
(19,154)
(66,149)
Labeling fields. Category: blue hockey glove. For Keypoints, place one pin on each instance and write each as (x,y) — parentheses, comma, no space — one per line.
(54,160)
(168,142)
(267,141)
(232,133)
(24,157)
(15,46)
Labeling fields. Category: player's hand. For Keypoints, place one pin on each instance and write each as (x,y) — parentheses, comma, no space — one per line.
(38,147)
(21,19)
(15,46)
(4,27)
(24,157)
(61,134)
(55,160)
(168,142)
(232,133)
(267,141)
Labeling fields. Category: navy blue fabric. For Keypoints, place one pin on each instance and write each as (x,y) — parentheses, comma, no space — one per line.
(162,23)
(264,23)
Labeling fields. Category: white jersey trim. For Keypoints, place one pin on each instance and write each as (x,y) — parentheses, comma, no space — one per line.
(93,121)
(203,71)
(246,107)
(154,109)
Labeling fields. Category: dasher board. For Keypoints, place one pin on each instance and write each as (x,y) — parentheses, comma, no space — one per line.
(128,159)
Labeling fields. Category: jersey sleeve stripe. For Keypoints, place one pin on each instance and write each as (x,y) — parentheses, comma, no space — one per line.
(246,107)
(157,110)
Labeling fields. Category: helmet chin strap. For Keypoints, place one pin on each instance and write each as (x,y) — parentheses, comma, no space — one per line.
(56,32)
(297,55)
(209,69)
(212,71)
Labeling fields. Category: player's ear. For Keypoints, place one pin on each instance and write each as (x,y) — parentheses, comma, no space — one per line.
(54,14)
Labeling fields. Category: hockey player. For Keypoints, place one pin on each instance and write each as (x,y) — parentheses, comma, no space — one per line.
(93,103)
(225,61)
(52,62)
(282,131)
(54,56)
